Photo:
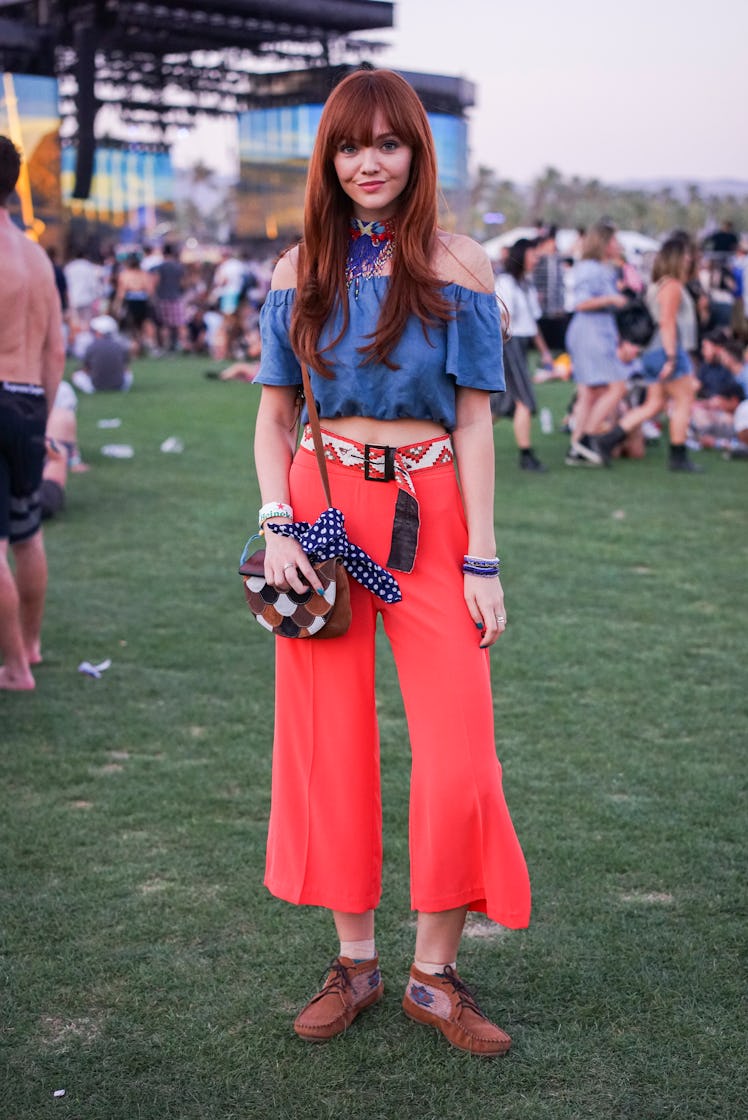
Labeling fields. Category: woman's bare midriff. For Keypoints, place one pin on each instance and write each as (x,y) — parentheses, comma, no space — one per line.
(385,433)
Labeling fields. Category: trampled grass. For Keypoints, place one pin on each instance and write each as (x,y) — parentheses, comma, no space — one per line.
(146,970)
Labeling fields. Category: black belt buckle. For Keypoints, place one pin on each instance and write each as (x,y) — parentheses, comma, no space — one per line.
(388,473)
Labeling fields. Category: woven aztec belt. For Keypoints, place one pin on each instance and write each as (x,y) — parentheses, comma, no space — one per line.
(380,463)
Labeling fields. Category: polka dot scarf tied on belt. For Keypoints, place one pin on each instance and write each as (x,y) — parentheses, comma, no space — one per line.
(307,614)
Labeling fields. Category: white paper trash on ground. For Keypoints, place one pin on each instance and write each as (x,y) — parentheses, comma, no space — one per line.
(172,445)
(117,450)
(94,670)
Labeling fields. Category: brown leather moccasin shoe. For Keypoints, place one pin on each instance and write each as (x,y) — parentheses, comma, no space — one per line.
(348,990)
(446,1003)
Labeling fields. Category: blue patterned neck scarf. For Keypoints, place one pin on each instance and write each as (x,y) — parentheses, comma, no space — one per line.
(369,249)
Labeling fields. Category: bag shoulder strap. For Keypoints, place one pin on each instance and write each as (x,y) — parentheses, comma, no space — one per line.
(504,312)
(319,450)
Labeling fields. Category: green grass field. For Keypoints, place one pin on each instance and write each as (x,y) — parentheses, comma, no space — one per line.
(145,969)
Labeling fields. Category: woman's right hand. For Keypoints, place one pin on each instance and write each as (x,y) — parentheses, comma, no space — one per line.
(618,301)
(667,370)
(286,562)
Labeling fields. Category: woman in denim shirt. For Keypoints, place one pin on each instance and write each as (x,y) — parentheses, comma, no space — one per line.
(400,328)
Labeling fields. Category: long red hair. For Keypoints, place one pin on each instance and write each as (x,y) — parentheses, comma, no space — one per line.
(414,287)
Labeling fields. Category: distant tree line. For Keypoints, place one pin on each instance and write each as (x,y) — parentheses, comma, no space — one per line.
(575,203)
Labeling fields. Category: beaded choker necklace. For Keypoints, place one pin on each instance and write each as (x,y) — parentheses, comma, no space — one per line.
(369,249)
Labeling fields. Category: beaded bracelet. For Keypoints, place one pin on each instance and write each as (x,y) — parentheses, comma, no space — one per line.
(274,509)
(480,566)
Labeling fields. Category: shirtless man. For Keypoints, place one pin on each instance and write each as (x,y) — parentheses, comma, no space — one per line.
(32,358)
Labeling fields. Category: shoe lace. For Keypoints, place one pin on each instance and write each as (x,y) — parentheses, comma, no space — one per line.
(465,996)
(334,979)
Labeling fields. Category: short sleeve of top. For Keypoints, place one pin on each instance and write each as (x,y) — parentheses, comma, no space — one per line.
(474,343)
(465,351)
(278,363)
(591,279)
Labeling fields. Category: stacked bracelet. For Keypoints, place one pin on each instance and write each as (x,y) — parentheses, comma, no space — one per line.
(479,566)
(274,509)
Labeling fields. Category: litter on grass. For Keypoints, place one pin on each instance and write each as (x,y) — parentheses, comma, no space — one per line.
(117,450)
(113,423)
(94,670)
(172,445)
(59,1093)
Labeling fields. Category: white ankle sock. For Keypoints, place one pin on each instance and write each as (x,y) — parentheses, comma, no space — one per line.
(433,969)
(358,950)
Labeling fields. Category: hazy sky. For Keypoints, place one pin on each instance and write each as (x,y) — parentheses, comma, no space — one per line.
(642,88)
(615,91)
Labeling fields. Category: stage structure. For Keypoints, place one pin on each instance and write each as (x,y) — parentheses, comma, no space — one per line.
(163,63)
(276,139)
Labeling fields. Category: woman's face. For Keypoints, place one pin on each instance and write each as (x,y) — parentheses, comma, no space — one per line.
(374,177)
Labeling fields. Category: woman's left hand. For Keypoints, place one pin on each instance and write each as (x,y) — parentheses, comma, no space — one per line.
(485,602)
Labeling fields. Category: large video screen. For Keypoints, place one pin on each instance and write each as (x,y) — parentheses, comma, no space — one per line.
(29,116)
(132,189)
(275,146)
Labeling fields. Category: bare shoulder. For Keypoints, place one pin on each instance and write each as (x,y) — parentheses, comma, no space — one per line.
(670,290)
(36,260)
(460,260)
(284,273)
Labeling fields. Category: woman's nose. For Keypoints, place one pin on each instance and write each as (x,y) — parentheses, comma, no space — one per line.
(369,160)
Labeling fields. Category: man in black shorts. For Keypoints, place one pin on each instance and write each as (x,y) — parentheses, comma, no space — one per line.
(32,357)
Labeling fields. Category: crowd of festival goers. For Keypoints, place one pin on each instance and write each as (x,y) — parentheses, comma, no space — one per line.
(565,311)
(662,336)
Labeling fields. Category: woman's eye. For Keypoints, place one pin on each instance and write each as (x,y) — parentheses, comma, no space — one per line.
(347,149)
(390,145)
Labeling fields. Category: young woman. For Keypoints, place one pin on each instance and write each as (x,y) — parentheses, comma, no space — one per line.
(592,341)
(665,362)
(401,329)
(517,291)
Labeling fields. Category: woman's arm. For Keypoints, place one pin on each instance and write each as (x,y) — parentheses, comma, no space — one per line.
(602,303)
(533,302)
(274,449)
(119,291)
(542,347)
(668,298)
(472,440)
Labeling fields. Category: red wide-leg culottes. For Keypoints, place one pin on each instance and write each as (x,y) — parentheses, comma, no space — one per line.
(325,832)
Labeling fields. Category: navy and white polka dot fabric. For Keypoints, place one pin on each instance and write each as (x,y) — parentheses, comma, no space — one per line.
(327,538)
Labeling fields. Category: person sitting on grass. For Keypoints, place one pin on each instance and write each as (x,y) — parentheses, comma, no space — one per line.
(731,354)
(739,447)
(105,363)
(63,453)
(712,423)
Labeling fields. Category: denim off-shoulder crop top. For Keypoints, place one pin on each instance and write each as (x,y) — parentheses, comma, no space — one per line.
(466,351)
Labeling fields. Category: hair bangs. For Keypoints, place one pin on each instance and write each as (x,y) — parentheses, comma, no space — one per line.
(360,98)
